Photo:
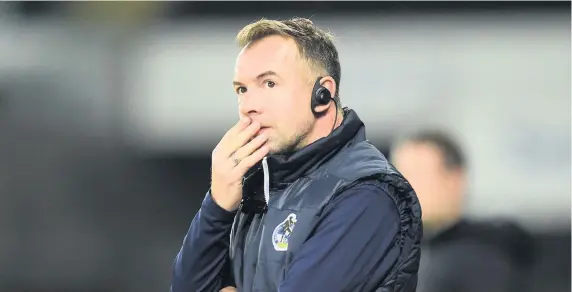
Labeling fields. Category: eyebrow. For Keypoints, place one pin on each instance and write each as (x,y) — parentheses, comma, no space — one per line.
(260,76)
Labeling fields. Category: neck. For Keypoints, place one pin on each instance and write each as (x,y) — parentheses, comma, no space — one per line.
(289,167)
(323,126)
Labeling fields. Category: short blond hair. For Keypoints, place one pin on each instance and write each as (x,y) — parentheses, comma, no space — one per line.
(316,46)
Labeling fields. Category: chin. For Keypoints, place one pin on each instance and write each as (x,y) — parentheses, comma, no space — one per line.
(273,150)
(281,149)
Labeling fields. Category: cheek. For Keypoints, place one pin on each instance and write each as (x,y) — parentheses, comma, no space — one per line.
(288,109)
(284,107)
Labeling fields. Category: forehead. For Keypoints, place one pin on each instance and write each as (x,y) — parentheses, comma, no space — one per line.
(273,53)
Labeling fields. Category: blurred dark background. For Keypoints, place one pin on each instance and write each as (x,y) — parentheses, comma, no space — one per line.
(109,111)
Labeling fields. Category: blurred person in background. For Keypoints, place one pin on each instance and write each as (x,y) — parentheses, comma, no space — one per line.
(299,199)
(459,255)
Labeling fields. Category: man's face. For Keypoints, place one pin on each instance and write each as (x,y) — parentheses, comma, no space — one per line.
(439,189)
(274,88)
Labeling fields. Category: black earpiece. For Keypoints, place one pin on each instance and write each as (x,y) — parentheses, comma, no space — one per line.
(320,96)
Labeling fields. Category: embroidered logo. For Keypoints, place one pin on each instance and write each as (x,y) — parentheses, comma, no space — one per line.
(282,232)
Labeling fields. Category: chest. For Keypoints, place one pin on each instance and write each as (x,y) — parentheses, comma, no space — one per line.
(266,243)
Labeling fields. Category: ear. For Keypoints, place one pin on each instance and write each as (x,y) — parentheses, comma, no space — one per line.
(329,83)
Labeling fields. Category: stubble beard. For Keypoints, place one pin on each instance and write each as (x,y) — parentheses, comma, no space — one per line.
(295,143)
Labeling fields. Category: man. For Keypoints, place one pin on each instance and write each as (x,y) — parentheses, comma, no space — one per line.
(458,254)
(299,199)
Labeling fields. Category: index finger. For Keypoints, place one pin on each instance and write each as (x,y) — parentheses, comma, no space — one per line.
(240,126)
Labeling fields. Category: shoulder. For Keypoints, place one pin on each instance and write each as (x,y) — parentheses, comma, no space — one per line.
(361,160)
(485,242)
(371,191)
(368,200)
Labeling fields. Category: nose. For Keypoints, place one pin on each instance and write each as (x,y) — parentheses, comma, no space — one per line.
(250,103)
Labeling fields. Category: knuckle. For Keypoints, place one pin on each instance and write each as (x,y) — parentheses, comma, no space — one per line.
(237,154)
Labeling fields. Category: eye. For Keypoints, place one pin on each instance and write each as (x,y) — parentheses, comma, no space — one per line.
(240,90)
(270,84)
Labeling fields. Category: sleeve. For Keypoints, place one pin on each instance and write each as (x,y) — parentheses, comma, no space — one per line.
(352,247)
(471,269)
(202,262)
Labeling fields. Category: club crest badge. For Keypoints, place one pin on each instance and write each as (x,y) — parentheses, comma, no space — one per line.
(282,232)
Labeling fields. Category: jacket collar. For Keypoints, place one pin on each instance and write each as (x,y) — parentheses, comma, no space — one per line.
(287,168)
